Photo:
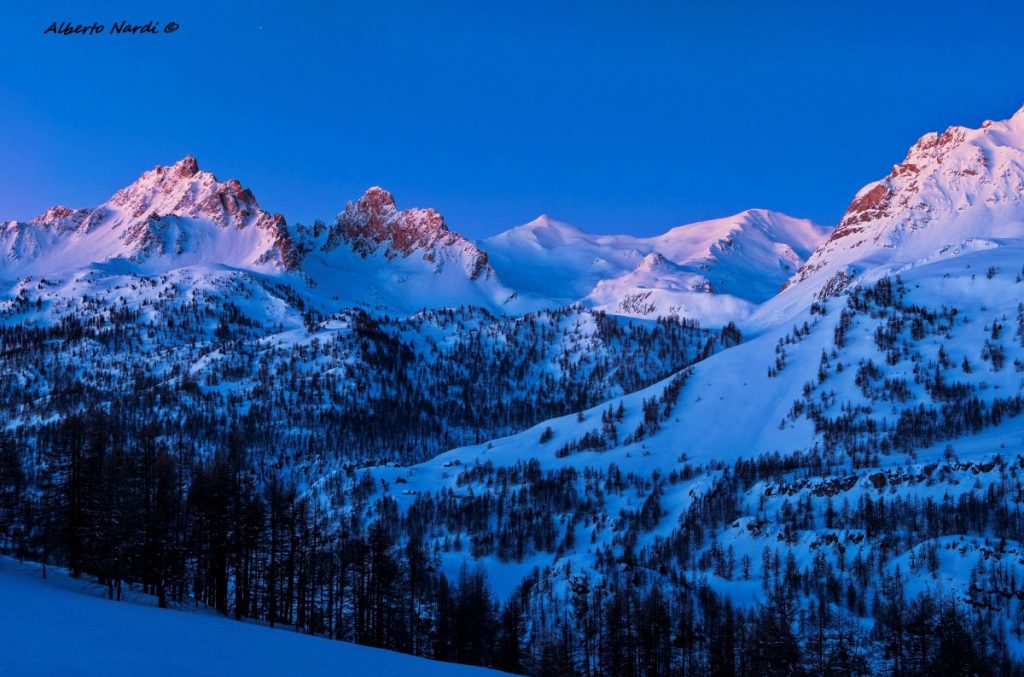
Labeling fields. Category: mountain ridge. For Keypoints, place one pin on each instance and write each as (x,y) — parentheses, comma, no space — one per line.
(381,257)
(953,192)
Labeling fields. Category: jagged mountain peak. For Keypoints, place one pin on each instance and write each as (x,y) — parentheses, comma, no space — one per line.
(376,200)
(54,214)
(176,213)
(187,166)
(375,224)
(182,189)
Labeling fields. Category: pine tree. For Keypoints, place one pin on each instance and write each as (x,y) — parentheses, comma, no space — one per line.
(12,490)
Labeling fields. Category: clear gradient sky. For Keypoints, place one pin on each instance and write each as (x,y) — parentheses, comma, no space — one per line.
(614,116)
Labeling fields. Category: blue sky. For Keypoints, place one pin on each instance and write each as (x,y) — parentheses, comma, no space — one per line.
(617,117)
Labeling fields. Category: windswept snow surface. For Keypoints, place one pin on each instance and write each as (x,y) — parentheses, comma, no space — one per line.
(63,626)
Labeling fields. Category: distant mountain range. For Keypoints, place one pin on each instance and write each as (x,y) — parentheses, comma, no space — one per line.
(376,256)
(956,191)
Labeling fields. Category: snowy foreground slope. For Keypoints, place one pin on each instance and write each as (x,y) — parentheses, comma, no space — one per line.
(63,626)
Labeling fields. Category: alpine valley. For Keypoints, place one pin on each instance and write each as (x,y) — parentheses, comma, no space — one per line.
(747,446)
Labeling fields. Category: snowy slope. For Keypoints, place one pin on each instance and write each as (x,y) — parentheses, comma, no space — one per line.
(741,404)
(65,626)
(896,354)
(712,271)
(730,407)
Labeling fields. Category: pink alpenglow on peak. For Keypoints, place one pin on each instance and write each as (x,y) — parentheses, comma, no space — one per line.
(170,216)
(374,224)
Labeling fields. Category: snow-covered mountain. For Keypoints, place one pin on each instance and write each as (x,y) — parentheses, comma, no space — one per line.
(380,257)
(714,271)
(954,192)
(170,217)
(179,217)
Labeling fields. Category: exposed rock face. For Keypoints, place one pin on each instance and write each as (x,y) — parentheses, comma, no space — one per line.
(865,207)
(836,285)
(63,219)
(60,215)
(373,223)
(883,200)
(284,248)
